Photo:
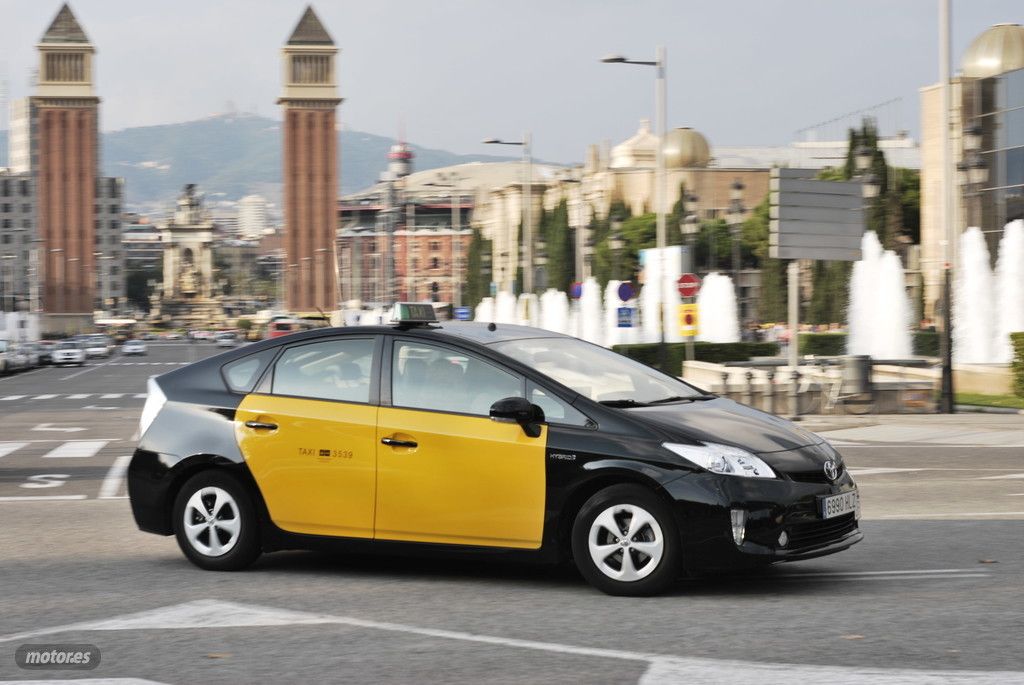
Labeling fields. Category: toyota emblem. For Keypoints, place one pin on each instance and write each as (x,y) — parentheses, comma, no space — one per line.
(831,470)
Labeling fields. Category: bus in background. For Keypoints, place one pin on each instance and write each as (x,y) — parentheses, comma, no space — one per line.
(284,325)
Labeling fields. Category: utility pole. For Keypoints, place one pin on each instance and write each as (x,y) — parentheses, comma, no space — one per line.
(946,403)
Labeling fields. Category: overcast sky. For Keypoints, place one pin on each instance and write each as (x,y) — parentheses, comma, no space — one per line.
(457,71)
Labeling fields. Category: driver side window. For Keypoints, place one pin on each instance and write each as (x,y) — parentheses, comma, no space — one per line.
(425,376)
(331,370)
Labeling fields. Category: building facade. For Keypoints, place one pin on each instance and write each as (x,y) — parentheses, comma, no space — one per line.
(988,94)
(310,99)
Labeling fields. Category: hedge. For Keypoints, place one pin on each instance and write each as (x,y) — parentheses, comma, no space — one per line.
(925,344)
(823,344)
(1017,340)
(717,353)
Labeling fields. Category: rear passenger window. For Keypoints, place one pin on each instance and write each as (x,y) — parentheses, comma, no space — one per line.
(331,370)
(241,375)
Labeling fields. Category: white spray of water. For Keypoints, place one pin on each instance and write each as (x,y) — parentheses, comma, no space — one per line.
(505,308)
(716,310)
(879,313)
(554,311)
(484,310)
(528,310)
(1009,290)
(973,313)
(591,312)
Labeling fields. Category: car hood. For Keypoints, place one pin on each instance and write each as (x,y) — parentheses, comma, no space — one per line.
(724,421)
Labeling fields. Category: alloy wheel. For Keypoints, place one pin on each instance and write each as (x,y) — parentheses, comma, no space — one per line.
(626,543)
(212,521)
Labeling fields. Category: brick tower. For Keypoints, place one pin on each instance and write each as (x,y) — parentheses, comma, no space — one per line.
(64,110)
(310,98)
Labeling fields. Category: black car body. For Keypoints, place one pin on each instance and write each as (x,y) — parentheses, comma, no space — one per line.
(621,457)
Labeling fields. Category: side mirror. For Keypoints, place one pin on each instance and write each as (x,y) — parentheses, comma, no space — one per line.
(519,410)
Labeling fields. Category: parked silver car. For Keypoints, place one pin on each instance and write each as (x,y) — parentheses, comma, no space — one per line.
(68,352)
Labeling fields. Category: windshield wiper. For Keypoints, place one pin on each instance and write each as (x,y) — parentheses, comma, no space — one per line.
(622,403)
(677,398)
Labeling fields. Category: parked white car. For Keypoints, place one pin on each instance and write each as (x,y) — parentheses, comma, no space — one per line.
(5,366)
(68,352)
(226,340)
(133,347)
(99,346)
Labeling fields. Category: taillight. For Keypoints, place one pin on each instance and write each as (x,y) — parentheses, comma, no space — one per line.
(155,400)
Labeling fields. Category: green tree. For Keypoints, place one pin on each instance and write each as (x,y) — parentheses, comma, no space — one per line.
(478,275)
(773,271)
(560,253)
(136,286)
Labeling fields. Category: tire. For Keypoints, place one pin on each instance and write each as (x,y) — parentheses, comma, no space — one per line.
(237,545)
(597,548)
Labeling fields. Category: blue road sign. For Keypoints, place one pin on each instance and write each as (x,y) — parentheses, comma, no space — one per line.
(463,313)
(626,316)
(576,290)
(626,291)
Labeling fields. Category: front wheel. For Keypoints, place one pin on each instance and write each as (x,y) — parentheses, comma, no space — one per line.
(215,522)
(625,542)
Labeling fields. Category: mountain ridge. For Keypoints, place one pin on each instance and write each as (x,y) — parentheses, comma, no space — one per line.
(232,155)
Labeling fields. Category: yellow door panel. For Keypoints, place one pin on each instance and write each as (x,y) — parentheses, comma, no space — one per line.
(317,470)
(469,480)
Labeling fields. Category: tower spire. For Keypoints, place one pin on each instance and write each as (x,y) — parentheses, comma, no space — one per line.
(65,28)
(309,30)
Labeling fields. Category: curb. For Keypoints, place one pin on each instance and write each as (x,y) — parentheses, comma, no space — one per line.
(978,409)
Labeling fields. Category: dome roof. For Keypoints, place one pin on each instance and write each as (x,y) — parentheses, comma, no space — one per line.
(996,51)
(640,149)
(686,148)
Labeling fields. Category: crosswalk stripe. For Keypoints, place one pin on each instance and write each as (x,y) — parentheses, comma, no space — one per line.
(112,396)
(10,398)
(79,396)
(44,397)
(141,396)
(8,447)
(79,449)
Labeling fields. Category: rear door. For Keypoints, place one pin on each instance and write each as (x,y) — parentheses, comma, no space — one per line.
(446,472)
(309,436)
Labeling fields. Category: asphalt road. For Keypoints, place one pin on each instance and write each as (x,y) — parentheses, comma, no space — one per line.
(933,594)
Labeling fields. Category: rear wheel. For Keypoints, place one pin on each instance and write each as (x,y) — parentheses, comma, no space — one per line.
(215,522)
(625,542)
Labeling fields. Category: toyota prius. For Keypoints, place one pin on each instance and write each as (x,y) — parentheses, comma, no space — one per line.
(476,437)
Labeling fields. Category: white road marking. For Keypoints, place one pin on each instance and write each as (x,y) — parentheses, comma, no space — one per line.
(204,614)
(140,396)
(1006,477)
(953,515)
(114,478)
(8,447)
(79,449)
(93,406)
(11,398)
(866,471)
(40,498)
(832,574)
(42,427)
(112,396)
(40,481)
(80,396)
(85,370)
(44,397)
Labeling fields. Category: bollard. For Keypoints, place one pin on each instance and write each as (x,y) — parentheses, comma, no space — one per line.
(794,395)
(770,392)
(748,394)
(725,383)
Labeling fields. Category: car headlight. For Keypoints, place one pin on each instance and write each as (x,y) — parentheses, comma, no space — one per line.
(724,459)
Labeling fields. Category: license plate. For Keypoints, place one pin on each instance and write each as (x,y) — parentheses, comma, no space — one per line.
(837,505)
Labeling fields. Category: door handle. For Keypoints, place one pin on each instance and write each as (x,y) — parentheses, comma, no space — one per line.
(261,425)
(391,442)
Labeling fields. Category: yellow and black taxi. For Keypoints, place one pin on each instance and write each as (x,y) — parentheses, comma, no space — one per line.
(484,438)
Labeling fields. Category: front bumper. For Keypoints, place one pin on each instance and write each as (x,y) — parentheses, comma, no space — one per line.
(772,506)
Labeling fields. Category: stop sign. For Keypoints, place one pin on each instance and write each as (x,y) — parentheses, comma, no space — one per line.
(688,284)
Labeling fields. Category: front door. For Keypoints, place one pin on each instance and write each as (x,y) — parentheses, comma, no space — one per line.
(310,440)
(447,473)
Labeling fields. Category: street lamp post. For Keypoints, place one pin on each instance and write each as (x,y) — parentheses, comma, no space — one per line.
(689,227)
(734,217)
(527,238)
(660,64)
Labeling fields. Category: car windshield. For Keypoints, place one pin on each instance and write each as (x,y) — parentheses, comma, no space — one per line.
(67,346)
(599,374)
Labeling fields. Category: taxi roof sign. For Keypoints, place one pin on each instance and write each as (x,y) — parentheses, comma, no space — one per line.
(412,313)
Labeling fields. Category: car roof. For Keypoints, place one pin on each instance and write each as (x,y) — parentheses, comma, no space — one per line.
(478,332)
